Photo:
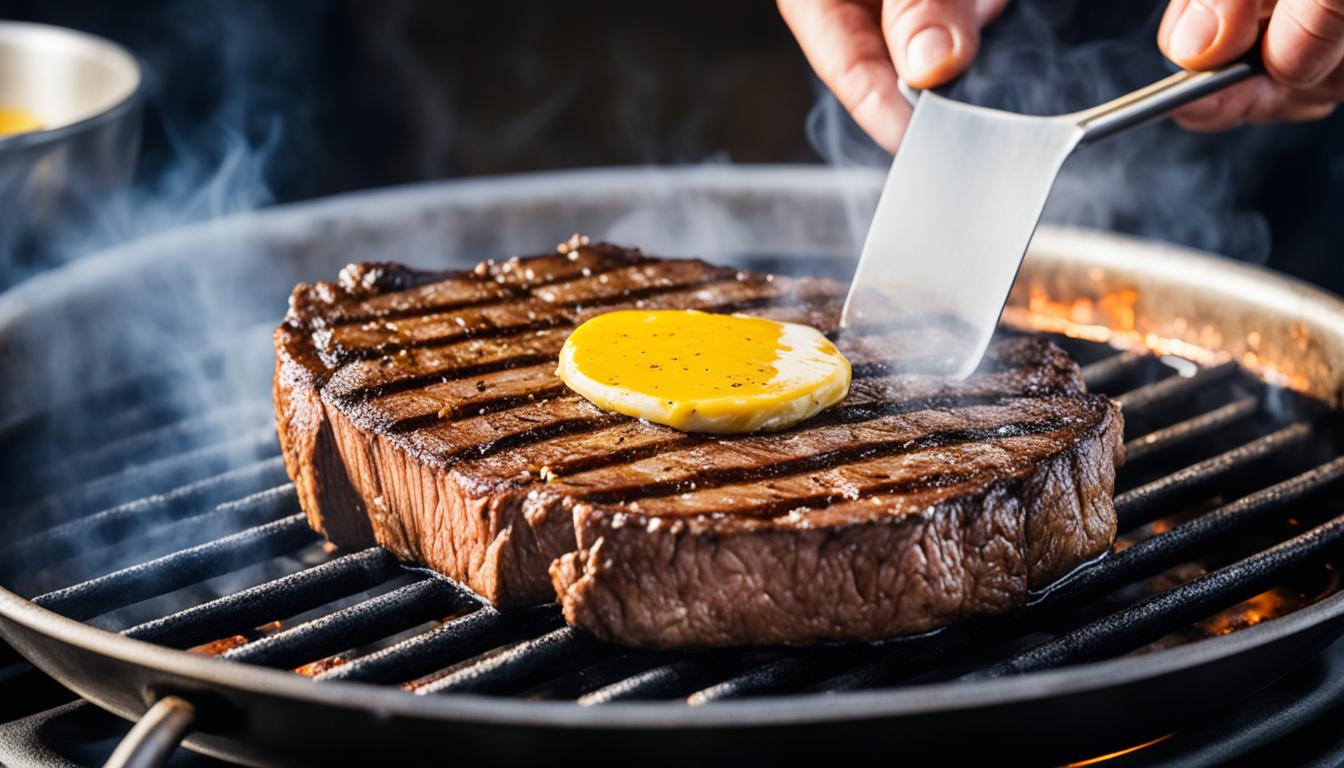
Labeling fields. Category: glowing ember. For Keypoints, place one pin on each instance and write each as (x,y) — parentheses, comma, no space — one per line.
(218,647)
(1112,319)
(226,644)
(313,668)
(1263,607)
(1118,753)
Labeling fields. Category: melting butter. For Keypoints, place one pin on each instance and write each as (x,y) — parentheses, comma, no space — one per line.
(702,372)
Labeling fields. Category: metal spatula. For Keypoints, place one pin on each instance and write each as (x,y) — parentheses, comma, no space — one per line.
(961,201)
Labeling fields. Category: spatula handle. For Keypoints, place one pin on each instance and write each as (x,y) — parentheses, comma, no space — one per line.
(1161,97)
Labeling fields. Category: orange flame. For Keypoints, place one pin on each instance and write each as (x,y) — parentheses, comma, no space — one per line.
(1261,608)
(1113,319)
(225,644)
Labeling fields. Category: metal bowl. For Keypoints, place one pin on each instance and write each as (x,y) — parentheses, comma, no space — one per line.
(54,181)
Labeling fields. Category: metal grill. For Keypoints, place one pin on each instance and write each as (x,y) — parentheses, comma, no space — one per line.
(185,532)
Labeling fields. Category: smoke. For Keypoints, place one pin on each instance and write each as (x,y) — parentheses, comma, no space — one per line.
(143,422)
(221,89)
(423,91)
(1157,181)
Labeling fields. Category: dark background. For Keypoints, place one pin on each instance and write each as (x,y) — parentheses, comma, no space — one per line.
(257,102)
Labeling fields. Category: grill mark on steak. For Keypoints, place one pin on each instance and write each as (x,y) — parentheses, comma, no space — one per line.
(912,509)
(628,283)
(477,407)
(343,354)
(440,375)
(821,490)
(839,415)
(852,413)
(542,432)
(471,408)
(410,359)
(868,400)
(445,374)
(516,292)
(715,478)
(512,293)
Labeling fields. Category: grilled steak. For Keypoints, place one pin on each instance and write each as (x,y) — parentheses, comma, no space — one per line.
(421,412)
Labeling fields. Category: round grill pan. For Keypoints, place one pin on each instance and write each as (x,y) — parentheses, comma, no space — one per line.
(237,273)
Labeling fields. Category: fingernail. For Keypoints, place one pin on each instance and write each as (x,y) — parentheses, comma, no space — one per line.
(926,52)
(1195,31)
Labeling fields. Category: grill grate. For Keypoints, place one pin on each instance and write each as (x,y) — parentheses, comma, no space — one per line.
(185,532)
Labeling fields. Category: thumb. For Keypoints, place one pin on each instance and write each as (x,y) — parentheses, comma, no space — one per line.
(931,41)
(1305,41)
(1202,34)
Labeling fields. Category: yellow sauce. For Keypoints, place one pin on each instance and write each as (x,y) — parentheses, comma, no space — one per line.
(704,372)
(14,121)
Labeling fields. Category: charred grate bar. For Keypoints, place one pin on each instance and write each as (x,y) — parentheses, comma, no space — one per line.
(1185,431)
(180,569)
(453,641)
(1144,503)
(508,668)
(258,605)
(1193,600)
(153,477)
(357,624)
(132,518)
(1104,373)
(1173,387)
(166,441)
(230,483)
(223,509)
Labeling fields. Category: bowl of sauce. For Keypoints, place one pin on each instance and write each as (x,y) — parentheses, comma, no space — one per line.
(70,111)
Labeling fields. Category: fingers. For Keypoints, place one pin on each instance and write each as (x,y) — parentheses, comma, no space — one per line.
(1232,106)
(989,10)
(1304,42)
(1201,34)
(1262,100)
(933,41)
(858,46)
(843,42)
(1303,48)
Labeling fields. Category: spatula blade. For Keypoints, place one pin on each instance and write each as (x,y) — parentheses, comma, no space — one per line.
(961,201)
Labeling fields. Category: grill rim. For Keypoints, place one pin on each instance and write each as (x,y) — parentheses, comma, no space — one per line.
(762,711)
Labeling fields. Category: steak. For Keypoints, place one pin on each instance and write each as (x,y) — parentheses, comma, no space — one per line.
(421,412)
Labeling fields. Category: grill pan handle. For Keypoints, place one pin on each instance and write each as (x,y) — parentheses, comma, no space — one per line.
(156,736)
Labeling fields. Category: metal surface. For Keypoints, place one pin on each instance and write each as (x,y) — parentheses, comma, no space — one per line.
(86,92)
(156,736)
(961,201)
(510,680)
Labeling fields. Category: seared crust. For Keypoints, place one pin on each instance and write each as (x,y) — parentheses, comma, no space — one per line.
(850,571)
(421,412)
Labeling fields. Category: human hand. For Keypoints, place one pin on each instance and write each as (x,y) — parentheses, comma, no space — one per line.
(1302,48)
(858,48)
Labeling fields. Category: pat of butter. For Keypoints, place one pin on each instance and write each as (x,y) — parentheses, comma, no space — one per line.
(702,372)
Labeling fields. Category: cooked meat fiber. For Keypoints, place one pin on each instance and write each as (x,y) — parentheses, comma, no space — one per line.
(422,412)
